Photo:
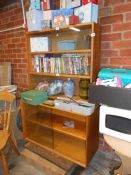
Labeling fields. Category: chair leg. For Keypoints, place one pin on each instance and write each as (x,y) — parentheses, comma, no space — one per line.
(14,146)
(5,163)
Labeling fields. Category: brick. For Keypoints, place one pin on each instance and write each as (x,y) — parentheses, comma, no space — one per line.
(122,44)
(112,2)
(106,45)
(20,45)
(11,45)
(105,12)
(111,19)
(16,40)
(120,61)
(18,70)
(111,37)
(109,53)
(104,61)
(122,27)
(22,66)
(16,50)
(22,55)
(125,52)
(15,61)
(128,16)
(127,35)
(123,8)
(106,29)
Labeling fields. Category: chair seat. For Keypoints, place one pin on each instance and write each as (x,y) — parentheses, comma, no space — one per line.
(4,136)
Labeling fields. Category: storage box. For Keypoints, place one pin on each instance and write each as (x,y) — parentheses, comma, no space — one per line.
(72,3)
(84,2)
(111,96)
(84,109)
(62,4)
(46,24)
(66,45)
(61,17)
(47,15)
(46,4)
(33,97)
(87,13)
(74,20)
(35,4)
(34,18)
(109,73)
(39,44)
(62,105)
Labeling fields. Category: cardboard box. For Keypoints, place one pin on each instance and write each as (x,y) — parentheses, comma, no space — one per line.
(47,15)
(46,4)
(72,3)
(87,13)
(111,96)
(5,74)
(34,18)
(46,24)
(62,4)
(84,2)
(39,44)
(35,4)
(61,17)
(74,20)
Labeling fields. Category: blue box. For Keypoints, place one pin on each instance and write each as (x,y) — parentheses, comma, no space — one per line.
(87,13)
(35,4)
(34,18)
(66,45)
(61,17)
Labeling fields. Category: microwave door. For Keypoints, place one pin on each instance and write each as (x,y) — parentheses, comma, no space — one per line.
(118,123)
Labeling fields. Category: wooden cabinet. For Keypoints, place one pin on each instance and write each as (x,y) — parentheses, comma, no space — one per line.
(47,126)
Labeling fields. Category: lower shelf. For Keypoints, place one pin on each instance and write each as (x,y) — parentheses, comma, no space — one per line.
(40,134)
(70,146)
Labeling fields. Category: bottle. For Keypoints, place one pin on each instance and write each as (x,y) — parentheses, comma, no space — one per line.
(83,88)
(68,87)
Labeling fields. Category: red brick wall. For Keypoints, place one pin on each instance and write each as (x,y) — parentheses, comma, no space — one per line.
(12,44)
(115,20)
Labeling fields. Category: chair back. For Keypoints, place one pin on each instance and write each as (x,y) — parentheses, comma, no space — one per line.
(7,99)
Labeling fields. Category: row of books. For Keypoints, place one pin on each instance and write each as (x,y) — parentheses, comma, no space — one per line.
(61,65)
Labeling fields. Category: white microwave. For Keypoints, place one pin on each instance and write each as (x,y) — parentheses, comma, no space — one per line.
(115,122)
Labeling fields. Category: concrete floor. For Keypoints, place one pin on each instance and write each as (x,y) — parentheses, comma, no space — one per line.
(102,164)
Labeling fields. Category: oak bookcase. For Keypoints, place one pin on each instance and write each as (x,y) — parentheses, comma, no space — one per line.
(43,125)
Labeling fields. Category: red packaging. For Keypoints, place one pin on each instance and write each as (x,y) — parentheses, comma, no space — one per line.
(74,20)
(46,4)
(84,2)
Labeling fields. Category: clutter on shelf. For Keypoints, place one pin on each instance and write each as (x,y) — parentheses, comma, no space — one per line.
(41,14)
(65,64)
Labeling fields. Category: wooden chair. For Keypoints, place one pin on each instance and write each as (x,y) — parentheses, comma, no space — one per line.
(7,99)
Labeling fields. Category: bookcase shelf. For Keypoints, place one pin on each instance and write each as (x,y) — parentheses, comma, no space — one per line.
(66,133)
(62,29)
(59,75)
(62,51)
